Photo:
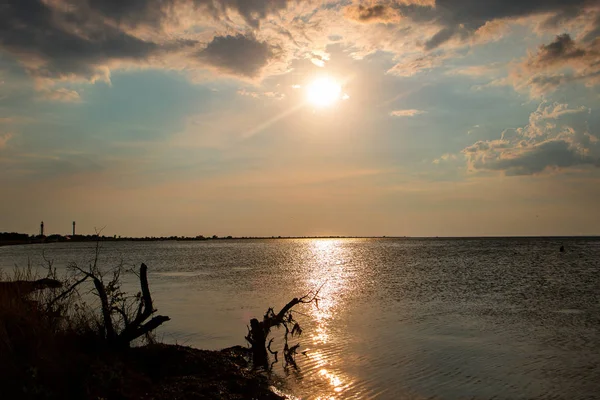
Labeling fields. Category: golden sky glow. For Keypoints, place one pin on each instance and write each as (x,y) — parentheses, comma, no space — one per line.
(294,117)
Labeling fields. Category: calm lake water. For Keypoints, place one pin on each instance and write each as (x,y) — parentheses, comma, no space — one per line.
(398,318)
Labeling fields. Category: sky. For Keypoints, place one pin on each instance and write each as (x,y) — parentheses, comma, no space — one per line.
(198,117)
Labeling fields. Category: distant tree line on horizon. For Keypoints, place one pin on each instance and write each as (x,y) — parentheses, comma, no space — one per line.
(8,238)
(16,237)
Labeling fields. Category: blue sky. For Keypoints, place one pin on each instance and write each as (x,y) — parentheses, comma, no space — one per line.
(191,117)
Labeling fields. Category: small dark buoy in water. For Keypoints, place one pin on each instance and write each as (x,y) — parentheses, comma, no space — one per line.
(562,249)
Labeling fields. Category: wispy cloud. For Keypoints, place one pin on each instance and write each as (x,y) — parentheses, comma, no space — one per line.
(477,70)
(256,95)
(62,94)
(406,113)
(244,92)
(416,64)
(445,158)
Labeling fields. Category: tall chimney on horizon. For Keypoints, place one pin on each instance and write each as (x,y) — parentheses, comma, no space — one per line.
(42,229)
(73,228)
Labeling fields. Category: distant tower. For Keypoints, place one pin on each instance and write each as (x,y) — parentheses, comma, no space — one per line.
(42,229)
(73,228)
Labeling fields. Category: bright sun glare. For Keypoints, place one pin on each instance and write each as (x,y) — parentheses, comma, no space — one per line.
(323,92)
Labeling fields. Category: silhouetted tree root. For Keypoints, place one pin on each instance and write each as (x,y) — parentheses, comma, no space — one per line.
(259,331)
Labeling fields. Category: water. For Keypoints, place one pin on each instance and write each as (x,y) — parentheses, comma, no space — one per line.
(398,318)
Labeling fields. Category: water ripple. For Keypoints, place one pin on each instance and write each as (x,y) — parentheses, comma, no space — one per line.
(398,319)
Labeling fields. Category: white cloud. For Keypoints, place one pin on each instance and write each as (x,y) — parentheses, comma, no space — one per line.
(256,95)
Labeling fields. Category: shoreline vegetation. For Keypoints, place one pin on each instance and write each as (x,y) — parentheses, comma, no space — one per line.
(55,345)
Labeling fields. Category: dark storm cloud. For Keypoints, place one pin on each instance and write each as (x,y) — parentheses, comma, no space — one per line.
(441,37)
(562,49)
(57,39)
(133,12)
(154,12)
(238,55)
(465,16)
(561,61)
(475,13)
(56,44)
(253,11)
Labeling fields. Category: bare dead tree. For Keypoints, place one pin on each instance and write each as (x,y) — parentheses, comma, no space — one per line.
(124,319)
(258,331)
(137,328)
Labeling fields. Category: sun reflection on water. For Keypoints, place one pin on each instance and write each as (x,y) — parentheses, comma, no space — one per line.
(334,380)
(332,384)
(329,271)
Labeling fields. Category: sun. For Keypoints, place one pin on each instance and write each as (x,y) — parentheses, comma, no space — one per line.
(323,92)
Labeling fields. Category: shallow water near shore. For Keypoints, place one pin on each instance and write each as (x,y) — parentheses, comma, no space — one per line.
(398,318)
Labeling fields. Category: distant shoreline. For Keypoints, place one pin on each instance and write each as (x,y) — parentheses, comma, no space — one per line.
(94,238)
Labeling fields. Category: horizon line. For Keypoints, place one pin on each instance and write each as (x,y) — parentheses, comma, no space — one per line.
(230,237)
